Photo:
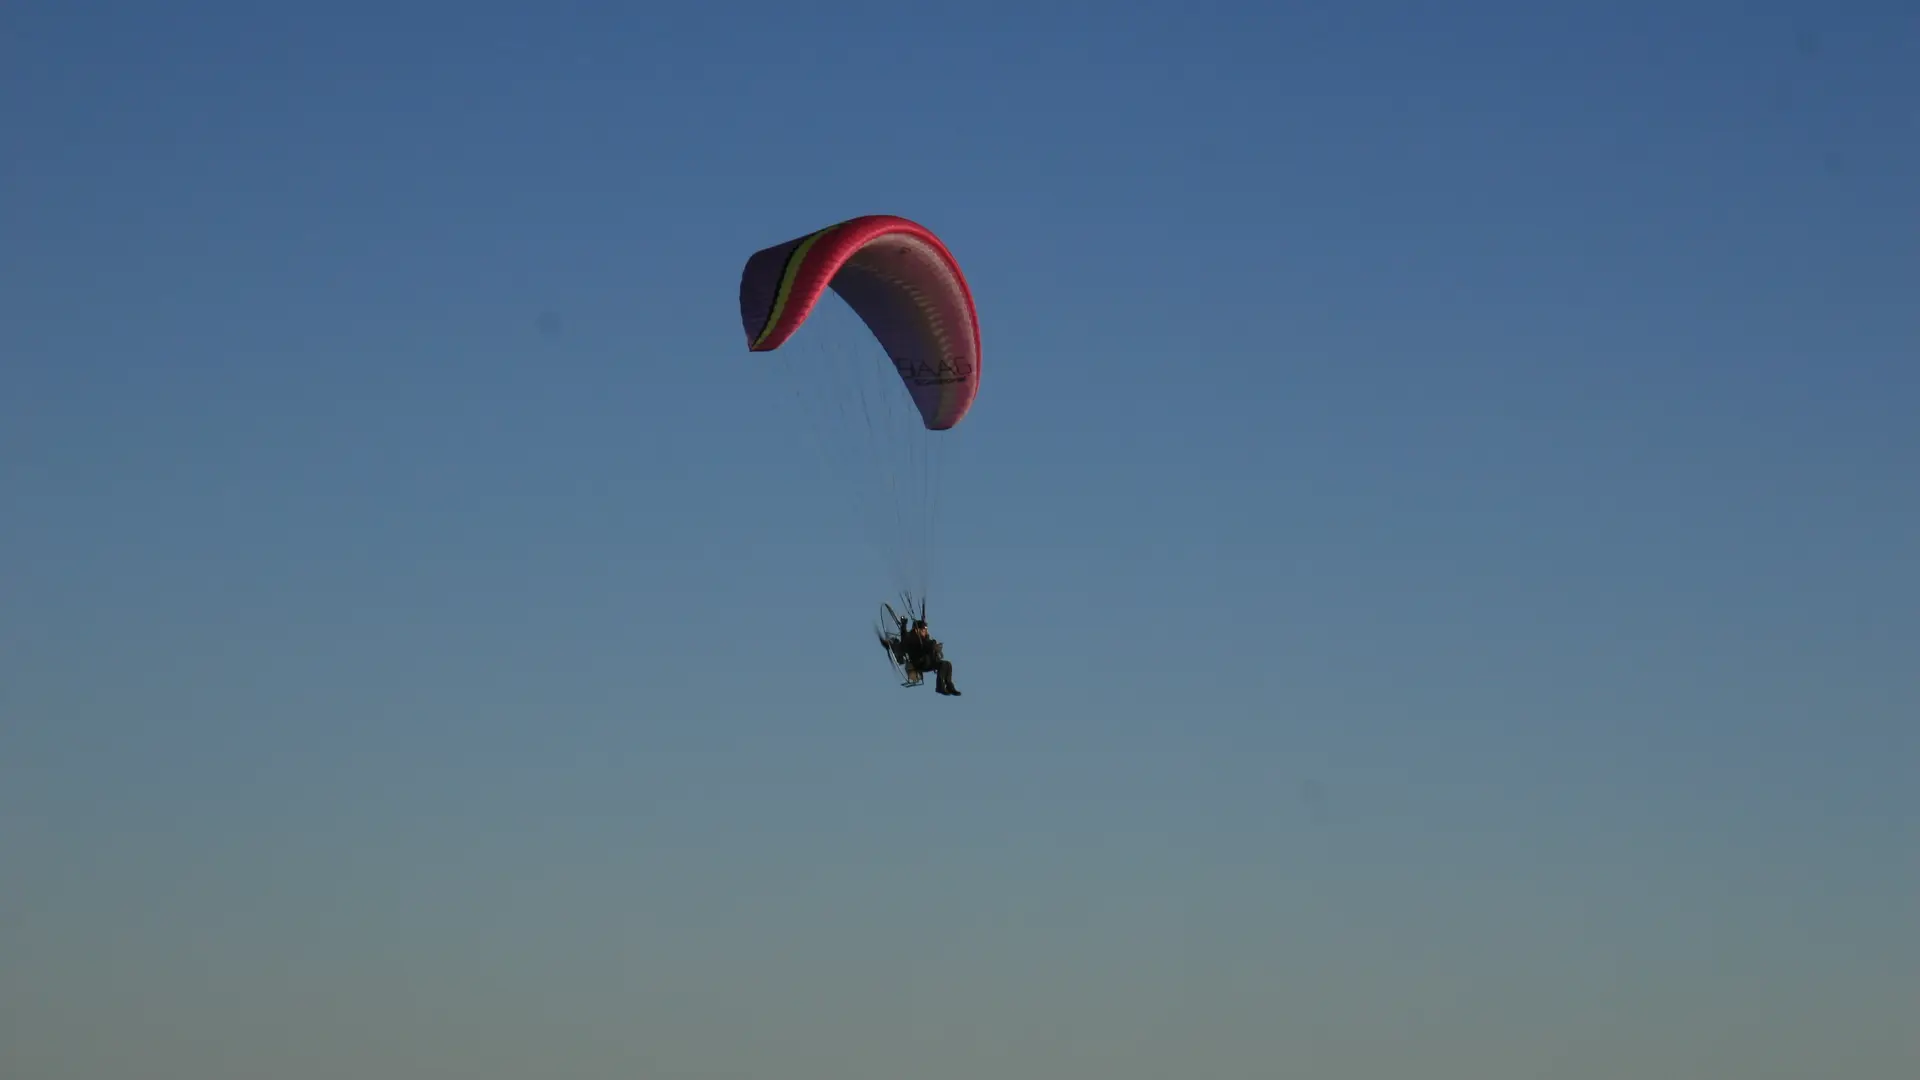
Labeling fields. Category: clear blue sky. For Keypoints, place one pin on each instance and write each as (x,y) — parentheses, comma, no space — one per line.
(1432,564)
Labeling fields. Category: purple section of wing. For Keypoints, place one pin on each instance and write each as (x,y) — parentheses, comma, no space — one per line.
(906,295)
(759,283)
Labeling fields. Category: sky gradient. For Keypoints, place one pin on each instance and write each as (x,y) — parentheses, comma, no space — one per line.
(1431,565)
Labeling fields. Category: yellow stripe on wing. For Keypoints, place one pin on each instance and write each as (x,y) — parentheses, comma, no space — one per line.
(787,275)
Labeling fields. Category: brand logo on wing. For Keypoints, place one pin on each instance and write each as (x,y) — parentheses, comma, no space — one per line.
(938,372)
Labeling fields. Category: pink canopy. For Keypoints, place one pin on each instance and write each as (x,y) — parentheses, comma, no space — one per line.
(902,282)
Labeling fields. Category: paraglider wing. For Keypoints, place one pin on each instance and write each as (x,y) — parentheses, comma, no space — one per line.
(902,282)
